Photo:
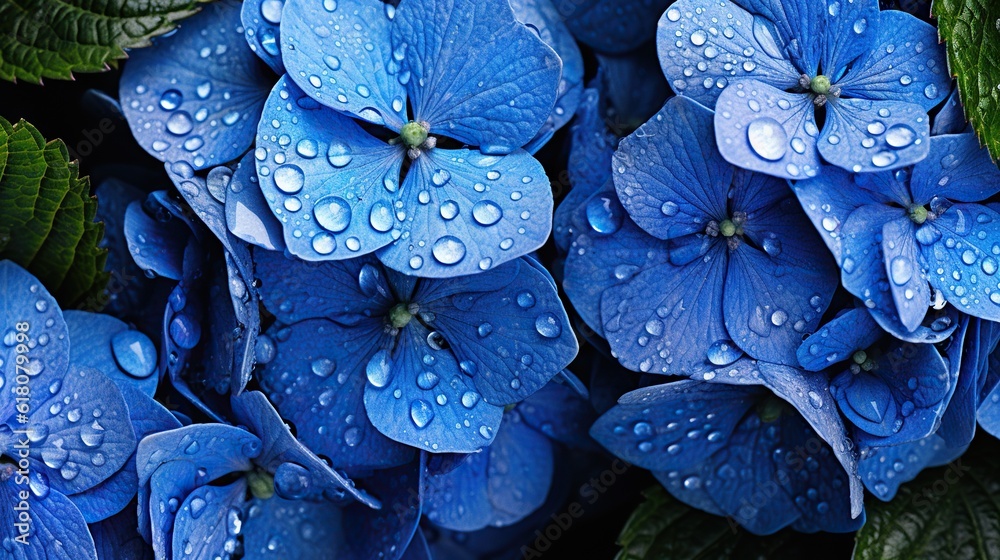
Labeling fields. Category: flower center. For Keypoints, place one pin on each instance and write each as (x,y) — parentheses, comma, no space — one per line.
(261,484)
(918,214)
(414,134)
(820,85)
(862,361)
(399,315)
(770,409)
(727,228)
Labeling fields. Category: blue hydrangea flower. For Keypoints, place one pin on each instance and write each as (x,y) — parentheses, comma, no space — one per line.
(339,189)
(760,280)
(196,95)
(890,391)
(368,359)
(510,479)
(70,434)
(884,469)
(793,82)
(182,514)
(912,239)
(767,460)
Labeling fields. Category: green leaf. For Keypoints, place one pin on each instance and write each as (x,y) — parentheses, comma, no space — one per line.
(663,528)
(54,38)
(949,513)
(47,216)
(972,33)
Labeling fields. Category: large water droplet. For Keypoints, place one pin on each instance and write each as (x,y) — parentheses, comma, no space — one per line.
(421,413)
(332,213)
(548,325)
(289,178)
(339,154)
(379,369)
(448,250)
(486,213)
(135,353)
(767,138)
(723,353)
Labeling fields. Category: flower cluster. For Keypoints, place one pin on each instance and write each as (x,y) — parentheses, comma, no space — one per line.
(781,246)
(792,235)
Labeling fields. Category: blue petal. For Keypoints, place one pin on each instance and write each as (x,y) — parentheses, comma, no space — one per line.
(127,357)
(754,459)
(25,303)
(699,61)
(694,493)
(868,136)
(905,63)
(57,529)
(851,30)
(968,353)
(561,413)
(906,272)
(280,447)
(496,487)
(476,75)
(215,448)
(863,270)
(774,295)
(884,469)
(386,531)
(598,260)
(316,381)
(331,171)
(194,99)
(957,168)
(542,17)
(810,395)
(659,321)
(589,169)
(506,328)
(209,520)
(276,529)
(111,496)
(417,549)
(668,173)
(794,30)
(128,288)
(79,430)
(828,200)
(420,397)
(248,215)
(169,486)
(350,292)
(116,538)
(837,340)
(612,26)
(966,264)
(339,53)
(762,128)
(466,212)
(950,119)
(651,427)
(156,246)
(260,20)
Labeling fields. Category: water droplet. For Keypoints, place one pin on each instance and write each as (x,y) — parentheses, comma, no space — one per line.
(323,243)
(332,213)
(421,413)
(723,353)
(767,138)
(179,123)
(448,250)
(900,270)
(289,178)
(339,155)
(486,213)
(323,367)
(604,214)
(900,136)
(171,99)
(449,209)
(548,325)
(379,369)
(134,353)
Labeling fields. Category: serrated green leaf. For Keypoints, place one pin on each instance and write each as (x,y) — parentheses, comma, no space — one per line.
(47,215)
(54,38)
(949,513)
(662,528)
(971,31)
